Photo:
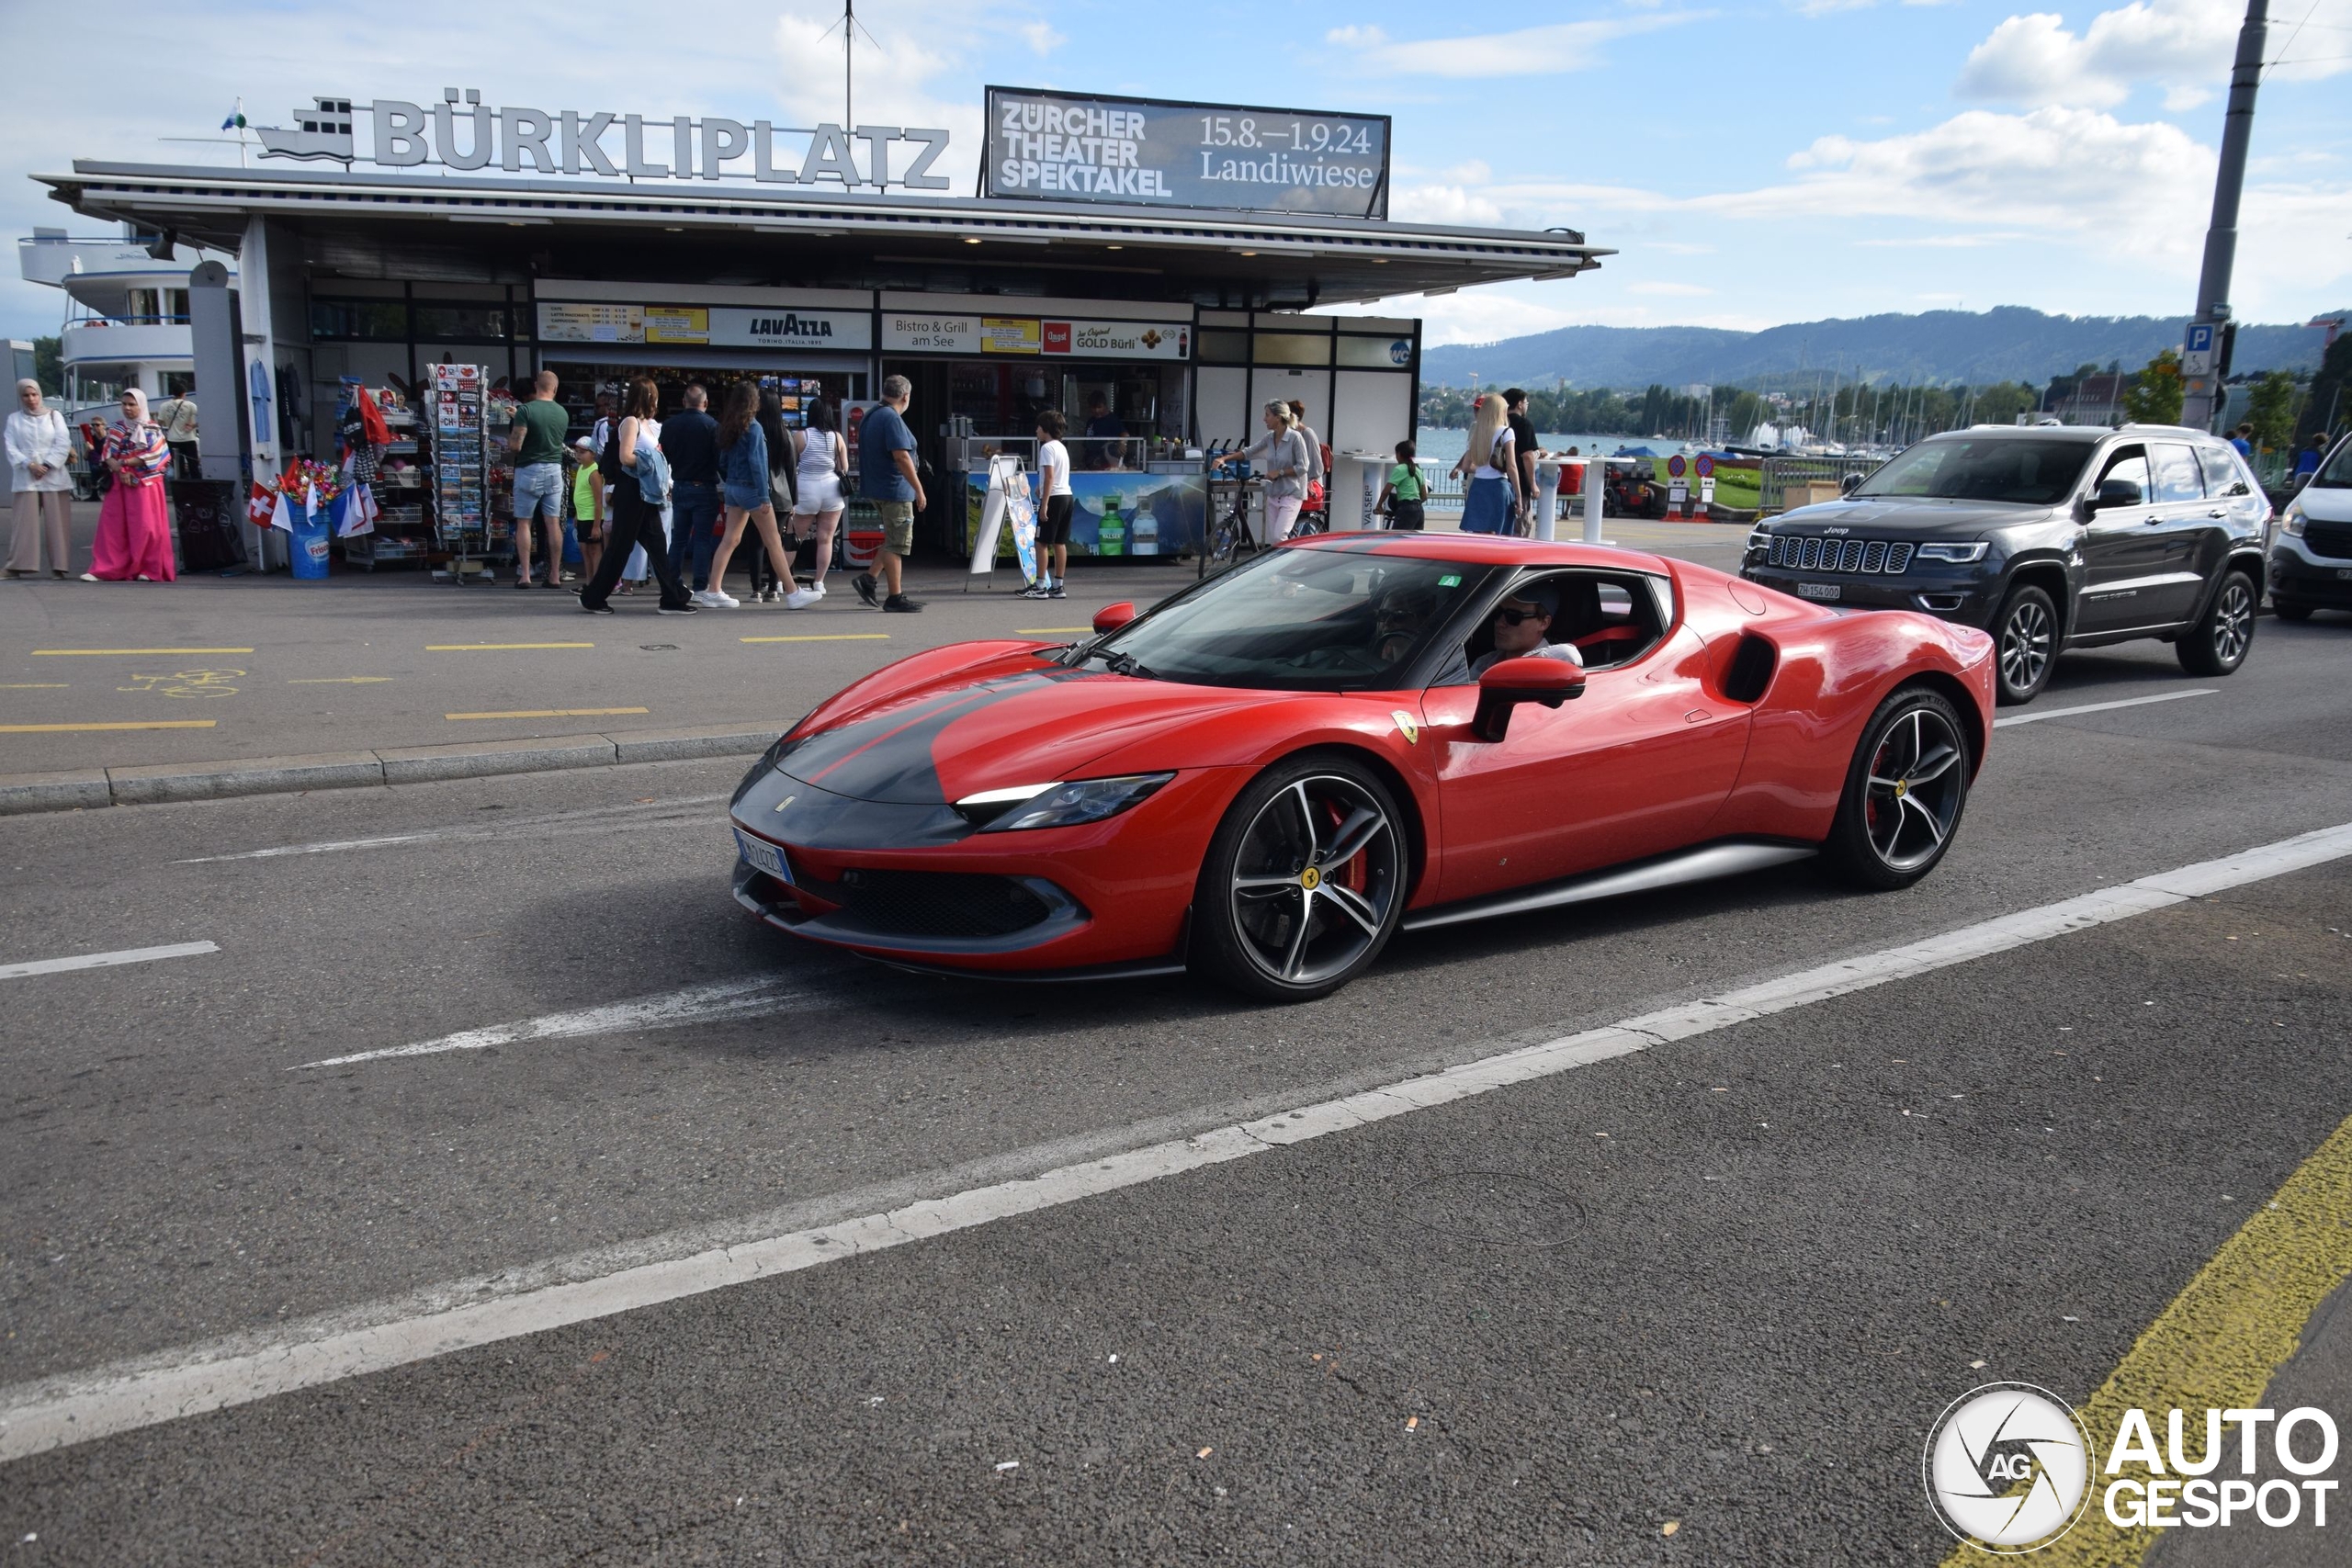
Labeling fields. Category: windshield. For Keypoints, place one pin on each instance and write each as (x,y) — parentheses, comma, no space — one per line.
(2022,470)
(1299,620)
(2336,472)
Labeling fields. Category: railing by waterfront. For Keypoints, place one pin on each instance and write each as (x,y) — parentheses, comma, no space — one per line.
(1780,472)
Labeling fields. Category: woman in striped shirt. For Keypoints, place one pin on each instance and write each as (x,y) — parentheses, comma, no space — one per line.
(135,530)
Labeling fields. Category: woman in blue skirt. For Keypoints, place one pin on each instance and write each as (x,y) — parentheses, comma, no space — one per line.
(1490,501)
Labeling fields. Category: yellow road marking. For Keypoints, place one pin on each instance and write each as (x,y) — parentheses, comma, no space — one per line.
(2216,1346)
(62,728)
(339,681)
(1048,631)
(545,713)
(34,686)
(121,652)
(827,636)
(495,647)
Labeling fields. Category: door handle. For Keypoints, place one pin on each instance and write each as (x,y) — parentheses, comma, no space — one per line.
(2219,511)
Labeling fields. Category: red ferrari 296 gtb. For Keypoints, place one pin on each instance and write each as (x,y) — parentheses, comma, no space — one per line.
(1264,777)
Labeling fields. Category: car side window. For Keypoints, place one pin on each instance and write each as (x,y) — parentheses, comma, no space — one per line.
(2128,464)
(1611,618)
(2176,474)
(2220,466)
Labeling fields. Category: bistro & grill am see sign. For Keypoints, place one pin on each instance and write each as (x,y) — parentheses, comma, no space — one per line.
(462,132)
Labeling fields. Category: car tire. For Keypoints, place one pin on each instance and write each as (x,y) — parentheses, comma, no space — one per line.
(2025,645)
(2219,642)
(1304,883)
(1905,793)
(2291,609)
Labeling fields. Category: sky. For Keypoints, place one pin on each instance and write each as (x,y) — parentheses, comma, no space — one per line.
(1750,163)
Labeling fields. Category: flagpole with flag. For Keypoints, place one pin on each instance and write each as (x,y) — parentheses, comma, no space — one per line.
(236,122)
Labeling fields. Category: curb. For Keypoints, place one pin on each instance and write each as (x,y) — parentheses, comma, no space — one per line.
(22,794)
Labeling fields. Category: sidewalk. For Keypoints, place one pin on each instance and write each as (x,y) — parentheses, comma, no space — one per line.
(128,693)
(115,675)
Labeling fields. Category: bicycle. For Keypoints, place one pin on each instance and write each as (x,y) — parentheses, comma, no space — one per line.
(1230,535)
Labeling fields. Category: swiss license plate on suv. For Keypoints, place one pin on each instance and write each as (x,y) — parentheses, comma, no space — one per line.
(1820,590)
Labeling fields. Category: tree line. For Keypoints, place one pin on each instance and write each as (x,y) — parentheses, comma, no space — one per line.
(2283,409)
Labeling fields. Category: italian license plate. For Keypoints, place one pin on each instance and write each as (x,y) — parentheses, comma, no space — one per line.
(764,856)
(1820,590)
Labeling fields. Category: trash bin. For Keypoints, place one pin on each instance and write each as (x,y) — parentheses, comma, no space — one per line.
(311,537)
(208,513)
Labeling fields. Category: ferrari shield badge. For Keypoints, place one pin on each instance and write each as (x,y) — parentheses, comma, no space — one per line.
(1406,727)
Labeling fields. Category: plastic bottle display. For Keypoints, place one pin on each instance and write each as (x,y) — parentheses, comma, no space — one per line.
(1143,530)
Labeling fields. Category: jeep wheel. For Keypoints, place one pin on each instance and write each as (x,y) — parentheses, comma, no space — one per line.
(2024,637)
(2217,645)
(2290,609)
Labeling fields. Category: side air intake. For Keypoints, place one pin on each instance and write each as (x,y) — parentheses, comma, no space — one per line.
(1751,670)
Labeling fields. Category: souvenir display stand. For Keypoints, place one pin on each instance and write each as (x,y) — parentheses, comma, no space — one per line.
(401,536)
(459,469)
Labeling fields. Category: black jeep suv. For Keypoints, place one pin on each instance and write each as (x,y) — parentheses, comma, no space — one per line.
(2049,537)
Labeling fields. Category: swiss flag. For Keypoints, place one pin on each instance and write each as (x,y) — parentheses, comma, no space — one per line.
(260,503)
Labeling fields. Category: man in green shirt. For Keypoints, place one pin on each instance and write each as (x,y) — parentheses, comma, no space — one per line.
(537,440)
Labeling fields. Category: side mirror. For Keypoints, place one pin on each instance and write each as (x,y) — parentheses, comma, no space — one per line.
(2115,492)
(1850,484)
(1110,618)
(1504,686)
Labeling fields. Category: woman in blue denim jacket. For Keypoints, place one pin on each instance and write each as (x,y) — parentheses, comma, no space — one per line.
(743,486)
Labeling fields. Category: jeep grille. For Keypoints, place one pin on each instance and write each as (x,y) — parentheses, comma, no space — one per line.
(1864,557)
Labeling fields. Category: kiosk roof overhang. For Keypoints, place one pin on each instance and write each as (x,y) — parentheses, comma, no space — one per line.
(841,239)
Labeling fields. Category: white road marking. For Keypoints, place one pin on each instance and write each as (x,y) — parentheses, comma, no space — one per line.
(2038,715)
(696,1004)
(80,1406)
(568,824)
(106,960)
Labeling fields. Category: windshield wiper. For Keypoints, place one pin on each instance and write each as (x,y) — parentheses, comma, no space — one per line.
(1126,664)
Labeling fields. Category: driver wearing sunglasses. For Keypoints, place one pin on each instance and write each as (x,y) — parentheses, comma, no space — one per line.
(1522,627)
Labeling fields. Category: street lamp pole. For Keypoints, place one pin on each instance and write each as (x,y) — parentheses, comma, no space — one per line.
(2202,365)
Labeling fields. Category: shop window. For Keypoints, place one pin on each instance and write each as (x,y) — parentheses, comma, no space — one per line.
(1293,348)
(465,323)
(368,320)
(1223,347)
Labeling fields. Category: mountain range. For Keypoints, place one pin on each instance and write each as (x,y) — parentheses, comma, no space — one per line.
(2010,343)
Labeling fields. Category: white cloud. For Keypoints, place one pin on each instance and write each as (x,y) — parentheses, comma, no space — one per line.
(1528,51)
(1042,36)
(1675,290)
(2182,46)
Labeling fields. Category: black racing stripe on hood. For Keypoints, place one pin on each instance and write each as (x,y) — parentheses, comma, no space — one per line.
(888,756)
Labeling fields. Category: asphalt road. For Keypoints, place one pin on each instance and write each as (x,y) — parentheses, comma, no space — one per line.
(1735,1313)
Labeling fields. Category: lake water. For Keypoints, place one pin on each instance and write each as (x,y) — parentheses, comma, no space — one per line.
(1440,448)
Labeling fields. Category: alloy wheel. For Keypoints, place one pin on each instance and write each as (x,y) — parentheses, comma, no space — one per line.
(1315,880)
(2233,621)
(1917,784)
(2026,638)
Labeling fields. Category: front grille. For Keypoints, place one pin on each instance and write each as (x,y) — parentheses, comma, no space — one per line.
(932,903)
(1870,557)
(2328,539)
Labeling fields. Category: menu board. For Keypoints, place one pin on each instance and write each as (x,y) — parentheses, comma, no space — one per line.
(567,323)
(1052,146)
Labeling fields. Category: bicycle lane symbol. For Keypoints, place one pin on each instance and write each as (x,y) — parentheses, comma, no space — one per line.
(187,683)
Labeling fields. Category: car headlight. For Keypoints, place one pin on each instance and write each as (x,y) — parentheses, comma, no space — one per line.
(1057,805)
(1959,555)
(1759,538)
(2291,522)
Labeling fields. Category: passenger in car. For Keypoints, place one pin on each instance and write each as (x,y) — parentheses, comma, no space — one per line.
(1399,618)
(1522,628)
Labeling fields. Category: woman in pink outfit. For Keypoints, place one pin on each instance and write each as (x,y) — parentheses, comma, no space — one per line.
(135,531)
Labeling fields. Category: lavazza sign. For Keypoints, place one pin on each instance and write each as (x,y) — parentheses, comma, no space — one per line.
(464,134)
